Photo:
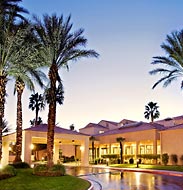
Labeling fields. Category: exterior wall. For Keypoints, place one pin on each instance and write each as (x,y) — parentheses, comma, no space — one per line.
(130,137)
(172,143)
(67,150)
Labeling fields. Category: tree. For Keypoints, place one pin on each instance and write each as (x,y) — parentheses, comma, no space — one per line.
(92,139)
(151,111)
(171,64)
(59,46)
(39,121)
(120,140)
(71,127)
(36,102)
(9,11)
(25,71)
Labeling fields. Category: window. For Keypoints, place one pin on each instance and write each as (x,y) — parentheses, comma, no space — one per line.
(101,132)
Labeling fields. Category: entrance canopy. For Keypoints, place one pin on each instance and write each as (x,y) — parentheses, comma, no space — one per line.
(38,135)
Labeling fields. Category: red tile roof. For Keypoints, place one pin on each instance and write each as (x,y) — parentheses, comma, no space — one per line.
(94,125)
(180,126)
(43,128)
(139,126)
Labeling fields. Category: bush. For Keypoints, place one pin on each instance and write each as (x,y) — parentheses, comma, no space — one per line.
(181,158)
(7,171)
(165,158)
(55,170)
(21,165)
(149,156)
(40,168)
(174,158)
(131,161)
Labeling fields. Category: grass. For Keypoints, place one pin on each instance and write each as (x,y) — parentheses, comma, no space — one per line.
(153,167)
(25,180)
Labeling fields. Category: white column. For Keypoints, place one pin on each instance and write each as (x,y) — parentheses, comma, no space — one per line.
(56,154)
(85,152)
(26,146)
(5,154)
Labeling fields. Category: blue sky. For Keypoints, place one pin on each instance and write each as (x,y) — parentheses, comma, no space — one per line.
(117,85)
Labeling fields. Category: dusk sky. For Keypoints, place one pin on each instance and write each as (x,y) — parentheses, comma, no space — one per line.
(117,85)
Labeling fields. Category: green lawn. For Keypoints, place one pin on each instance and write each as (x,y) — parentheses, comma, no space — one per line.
(146,166)
(25,180)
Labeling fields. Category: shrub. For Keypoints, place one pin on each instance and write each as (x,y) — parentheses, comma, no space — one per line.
(21,165)
(110,156)
(7,171)
(181,158)
(165,158)
(174,158)
(55,170)
(149,156)
(131,161)
(40,168)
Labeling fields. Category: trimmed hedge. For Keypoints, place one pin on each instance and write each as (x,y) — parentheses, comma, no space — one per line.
(110,156)
(149,156)
(55,170)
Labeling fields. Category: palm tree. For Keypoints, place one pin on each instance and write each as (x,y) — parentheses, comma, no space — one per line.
(39,121)
(36,102)
(9,11)
(120,140)
(25,71)
(172,63)
(92,139)
(151,111)
(59,46)
(71,127)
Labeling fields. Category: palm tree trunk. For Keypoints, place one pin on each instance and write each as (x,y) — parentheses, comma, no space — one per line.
(19,87)
(36,119)
(93,151)
(3,82)
(52,113)
(121,152)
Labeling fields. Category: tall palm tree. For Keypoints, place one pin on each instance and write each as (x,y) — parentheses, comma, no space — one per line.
(36,102)
(25,71)
(21,81)
(59,46)
(151,111)
(120,140)
(172,63)
(9,11)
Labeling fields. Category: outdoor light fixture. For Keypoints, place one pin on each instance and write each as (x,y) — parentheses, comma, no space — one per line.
(82,148)
(31,146)
(32,165)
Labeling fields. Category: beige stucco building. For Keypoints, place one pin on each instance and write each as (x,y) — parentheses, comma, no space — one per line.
(141,139)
